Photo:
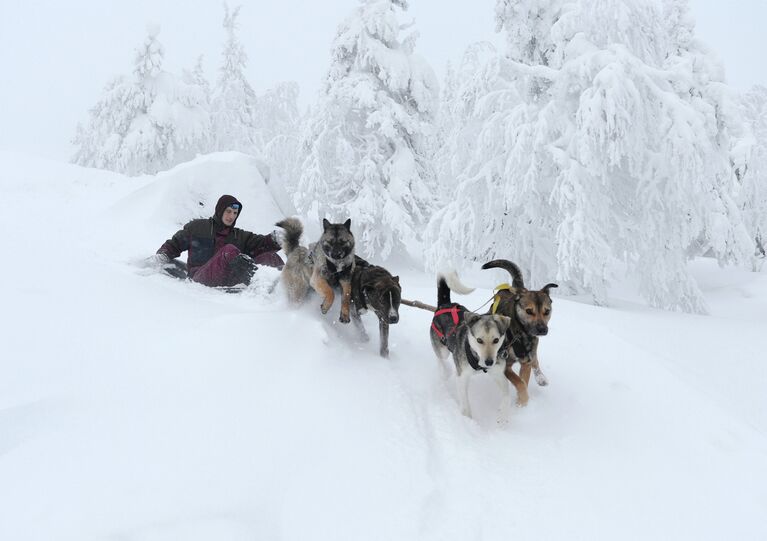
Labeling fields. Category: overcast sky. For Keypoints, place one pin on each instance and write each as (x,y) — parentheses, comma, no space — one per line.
(56,56)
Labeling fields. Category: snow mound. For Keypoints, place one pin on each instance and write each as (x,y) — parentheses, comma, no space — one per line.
(190,190)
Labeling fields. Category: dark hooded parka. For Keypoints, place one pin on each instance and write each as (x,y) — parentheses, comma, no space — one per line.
(206,236)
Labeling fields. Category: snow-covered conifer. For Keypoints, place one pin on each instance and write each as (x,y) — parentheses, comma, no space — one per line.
(617,158)
(368,143)
(144,123)
(196,76)
(277,111)
(753,197)
(198,91)
(234,103)
(98,141)
(277,115)
(469,94)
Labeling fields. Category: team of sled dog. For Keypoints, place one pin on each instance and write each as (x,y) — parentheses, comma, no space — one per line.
(489,343)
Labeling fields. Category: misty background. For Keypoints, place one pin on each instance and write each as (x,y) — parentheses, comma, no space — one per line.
(57,57)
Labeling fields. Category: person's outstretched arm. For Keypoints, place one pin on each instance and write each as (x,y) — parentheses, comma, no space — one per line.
(259,244)
(178,243)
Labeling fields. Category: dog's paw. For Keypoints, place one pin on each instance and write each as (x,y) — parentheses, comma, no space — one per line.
(522,401)
(540,378)
(501,420)
(324,309)
(344,318)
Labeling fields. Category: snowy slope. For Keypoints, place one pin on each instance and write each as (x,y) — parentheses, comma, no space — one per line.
(135,407)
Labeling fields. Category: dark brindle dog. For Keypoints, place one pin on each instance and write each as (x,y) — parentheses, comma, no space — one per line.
(374,288)
(327,263)
(530,312)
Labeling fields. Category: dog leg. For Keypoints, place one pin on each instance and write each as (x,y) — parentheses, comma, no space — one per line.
(322,287)
(295,287)
(525,371)
(383,331)
(540,377)
(357,319)
(442,354)
(346,288)
(505,405)
(519,384)
(463,392)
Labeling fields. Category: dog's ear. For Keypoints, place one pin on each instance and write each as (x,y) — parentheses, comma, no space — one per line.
(546,288)
(325,224)
(348,225)
(470,317)
(395,278)
(504,322)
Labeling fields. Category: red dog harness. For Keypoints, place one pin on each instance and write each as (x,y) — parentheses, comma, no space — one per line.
(446,321)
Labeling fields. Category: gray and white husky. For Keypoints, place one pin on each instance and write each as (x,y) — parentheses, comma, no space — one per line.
(474,340)
(325,264)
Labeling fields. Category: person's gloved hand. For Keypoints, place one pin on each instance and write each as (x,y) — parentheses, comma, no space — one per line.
(157,260)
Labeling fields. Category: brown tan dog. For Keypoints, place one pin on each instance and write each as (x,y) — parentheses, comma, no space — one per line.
(530,312)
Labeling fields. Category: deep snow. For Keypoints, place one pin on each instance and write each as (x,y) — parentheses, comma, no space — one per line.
(135,407)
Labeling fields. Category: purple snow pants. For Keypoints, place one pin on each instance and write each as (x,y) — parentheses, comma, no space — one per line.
(270,259)
(216,271)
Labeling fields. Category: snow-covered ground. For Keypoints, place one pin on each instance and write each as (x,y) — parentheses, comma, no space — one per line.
(135,407)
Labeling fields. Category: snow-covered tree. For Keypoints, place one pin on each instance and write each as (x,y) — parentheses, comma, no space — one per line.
(280,121)
(617,156)
(469,94)
(368,143)
(502,184)
(99,141)
(753,197)
(198,84)
(277,111)
(196,76)
(234,103)
(145,123)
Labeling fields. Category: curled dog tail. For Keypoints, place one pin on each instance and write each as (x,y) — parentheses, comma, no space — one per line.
(516,274)
(447,282)
(443,292)
(293,231)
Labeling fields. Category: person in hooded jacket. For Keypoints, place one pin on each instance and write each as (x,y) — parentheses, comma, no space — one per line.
(221,254)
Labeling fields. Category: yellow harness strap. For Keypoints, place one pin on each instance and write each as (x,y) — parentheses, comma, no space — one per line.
(497,298)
